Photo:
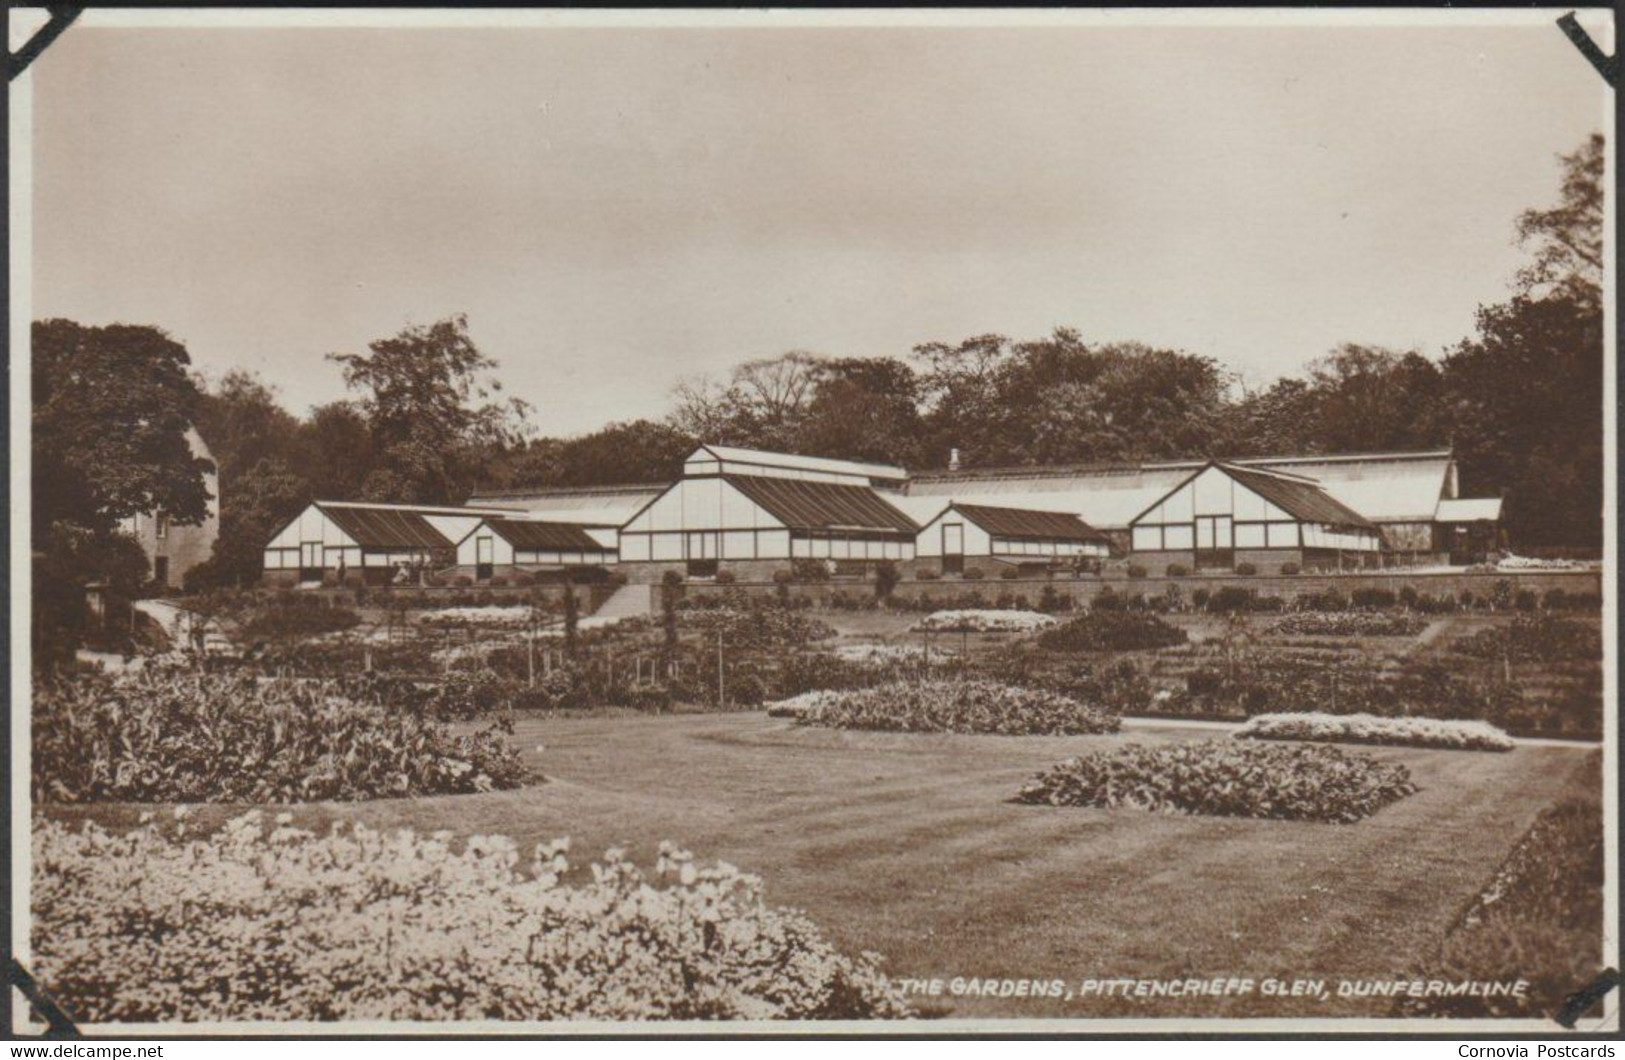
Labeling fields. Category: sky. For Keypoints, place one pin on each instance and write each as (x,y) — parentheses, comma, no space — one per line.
(616,209)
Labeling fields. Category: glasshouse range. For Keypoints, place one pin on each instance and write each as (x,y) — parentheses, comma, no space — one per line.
(754,513)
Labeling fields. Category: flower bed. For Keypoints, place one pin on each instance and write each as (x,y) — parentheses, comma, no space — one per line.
(1111,630)
(983,622)
(212,738)
(1350,624)
(1226,778)
(802,705)
(1371,729)
(494,615)
(880,654)
(1539,920)
(959,706)
(254,923)
(1536,638)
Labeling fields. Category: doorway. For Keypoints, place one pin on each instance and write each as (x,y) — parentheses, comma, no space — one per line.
(953,548)
(1215,545)
(484,566)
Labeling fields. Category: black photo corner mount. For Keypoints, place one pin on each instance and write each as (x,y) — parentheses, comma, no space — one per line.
(61,18)
(59,1023)
(1607,65)
(1576,1004)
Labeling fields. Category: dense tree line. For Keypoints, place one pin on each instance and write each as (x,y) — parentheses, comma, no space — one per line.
(1518,399)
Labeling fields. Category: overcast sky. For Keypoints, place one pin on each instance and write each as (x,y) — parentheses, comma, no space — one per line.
(615,209)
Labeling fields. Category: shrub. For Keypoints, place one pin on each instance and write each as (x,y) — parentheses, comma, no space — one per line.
(287,615)
(1349,624)
(983,621)
(462,581)
(1327,600)
(1136,571)
(1231,598)
(1373,598)
(960,706)
(1200,599)
(1538,638)
(742,627)
(1246,568)
(926,574)
(725,577)
(886,579)
(360,924)
(1502,595)
(1526,600)
(1177,570)
(1112,631)
(1555,599)
(1539,920)
(807,569)
(781,576)
(1408,596)
(1226,778)
(1049,601)
(975,574)
(1370,729)
(214,738)
(1289,569)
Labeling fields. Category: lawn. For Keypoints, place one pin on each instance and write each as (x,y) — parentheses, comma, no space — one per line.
(908,845)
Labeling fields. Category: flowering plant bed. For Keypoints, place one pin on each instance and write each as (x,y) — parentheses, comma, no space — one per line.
(213,738)
(1110,630)
(983,622)
(879,654)
(1226,778)
(1371,729)
(1350,624)
(494,615)
(802,705)
(261,920)
(958,706)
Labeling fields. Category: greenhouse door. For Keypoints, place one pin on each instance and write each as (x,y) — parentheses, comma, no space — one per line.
(953,548)
(483,567)
(310,561)
(1214,545)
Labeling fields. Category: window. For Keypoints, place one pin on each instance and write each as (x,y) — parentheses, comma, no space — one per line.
(161,525)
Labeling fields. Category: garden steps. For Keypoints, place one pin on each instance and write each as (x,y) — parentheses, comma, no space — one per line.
(627,602)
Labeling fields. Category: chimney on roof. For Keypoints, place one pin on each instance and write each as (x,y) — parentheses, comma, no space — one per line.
(953,460)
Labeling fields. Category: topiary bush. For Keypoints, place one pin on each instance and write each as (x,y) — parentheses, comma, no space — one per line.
(959,706)
(1226,778)
(975,574)
(1136,571)
(1246,568)
(1290,569)
(1177,570)
(262,920)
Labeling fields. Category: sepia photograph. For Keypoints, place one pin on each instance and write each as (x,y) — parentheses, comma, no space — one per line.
(851,522)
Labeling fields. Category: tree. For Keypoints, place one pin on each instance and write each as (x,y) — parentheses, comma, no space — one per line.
(260,502)
(1525,391)
(1528,416)
(430,410)
(762,405)
(335,453)
(863,409)
(111,408)
(1567,239)
(244,424)
(1368,399)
